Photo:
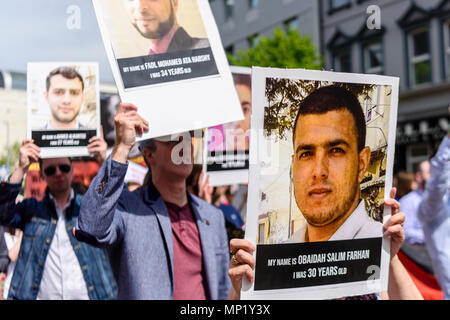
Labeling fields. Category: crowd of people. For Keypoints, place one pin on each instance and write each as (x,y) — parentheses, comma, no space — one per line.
(176,237)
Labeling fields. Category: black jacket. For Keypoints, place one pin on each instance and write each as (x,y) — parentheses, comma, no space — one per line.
(4,258)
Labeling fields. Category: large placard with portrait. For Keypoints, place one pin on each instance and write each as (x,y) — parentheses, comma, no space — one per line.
(167,58)
(226,149)
(318,178)
(63,104)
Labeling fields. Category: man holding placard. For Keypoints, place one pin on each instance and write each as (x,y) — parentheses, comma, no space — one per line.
(52,264)
(164,243)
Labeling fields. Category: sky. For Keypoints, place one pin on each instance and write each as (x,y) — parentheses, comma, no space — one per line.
(37,30)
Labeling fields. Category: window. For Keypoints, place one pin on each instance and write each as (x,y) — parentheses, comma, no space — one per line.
(261,233)
(342,61)
(253,3)
(334,4)
(229,49)
(292,23)
(447,47)
(415,154)
(373,58)
(253,40)
(419,56)
(229,8)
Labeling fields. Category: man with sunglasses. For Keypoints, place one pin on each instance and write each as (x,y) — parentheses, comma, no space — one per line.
(164,242)
(53,264)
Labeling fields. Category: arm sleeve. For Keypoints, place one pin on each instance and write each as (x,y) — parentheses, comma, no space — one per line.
(412,227)
(4,260)
(224,280)
(13,215)
(100,222)
(435,199)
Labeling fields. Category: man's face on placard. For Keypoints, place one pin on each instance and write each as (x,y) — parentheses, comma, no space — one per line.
(152,18)
(327,167)
(65,98)
(245,97)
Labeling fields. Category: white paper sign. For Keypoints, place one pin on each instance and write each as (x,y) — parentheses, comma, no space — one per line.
(321,170)
(63,103)
(168,60)
(226,149)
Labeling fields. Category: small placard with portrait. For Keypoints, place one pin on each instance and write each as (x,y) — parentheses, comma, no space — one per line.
(226,149)
(63,105)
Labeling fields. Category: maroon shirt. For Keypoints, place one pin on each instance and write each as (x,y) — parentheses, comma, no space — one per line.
(189,280)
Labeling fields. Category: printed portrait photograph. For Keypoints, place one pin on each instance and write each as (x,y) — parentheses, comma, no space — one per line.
(63,96)
(330,165)
(234,135)
(147,27)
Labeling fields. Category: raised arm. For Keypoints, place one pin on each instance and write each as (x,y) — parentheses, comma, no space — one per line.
(100,221)
(436,188)
(400,285)
(11,214)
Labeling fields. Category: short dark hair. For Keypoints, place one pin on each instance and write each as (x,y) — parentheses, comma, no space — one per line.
(66,72)
(150,145)
(242,79)
(334,98)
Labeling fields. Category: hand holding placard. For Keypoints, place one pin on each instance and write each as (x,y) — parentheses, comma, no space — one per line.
(29,152)
(242,265)
(128,123)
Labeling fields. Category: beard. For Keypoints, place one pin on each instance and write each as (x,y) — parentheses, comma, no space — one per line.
(162,29)
(334,211)
(65,118)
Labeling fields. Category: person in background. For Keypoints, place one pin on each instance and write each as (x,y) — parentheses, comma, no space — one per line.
(233,220)
(414,245)
(4,260)
(13,239)
(434,214)
(404,183)
(164,242)
(52,264)
(410,204)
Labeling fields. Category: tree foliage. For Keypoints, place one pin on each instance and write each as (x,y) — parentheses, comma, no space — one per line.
(13,156)
(285,95)
(286,49)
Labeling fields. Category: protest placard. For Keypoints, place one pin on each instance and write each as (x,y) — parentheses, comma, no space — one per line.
(323,167)
(63,105)
(227,145)
(168,60)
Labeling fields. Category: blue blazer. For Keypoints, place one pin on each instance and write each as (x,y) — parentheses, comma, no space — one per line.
(136,229)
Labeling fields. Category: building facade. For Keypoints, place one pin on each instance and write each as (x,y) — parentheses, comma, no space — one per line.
(240,22)
(402,38)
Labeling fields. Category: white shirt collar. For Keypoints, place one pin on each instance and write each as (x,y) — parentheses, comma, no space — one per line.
(357,225)
(49,126)
(354,223)
(58,210)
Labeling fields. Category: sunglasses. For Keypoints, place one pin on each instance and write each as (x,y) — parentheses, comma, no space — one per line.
(51,170)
